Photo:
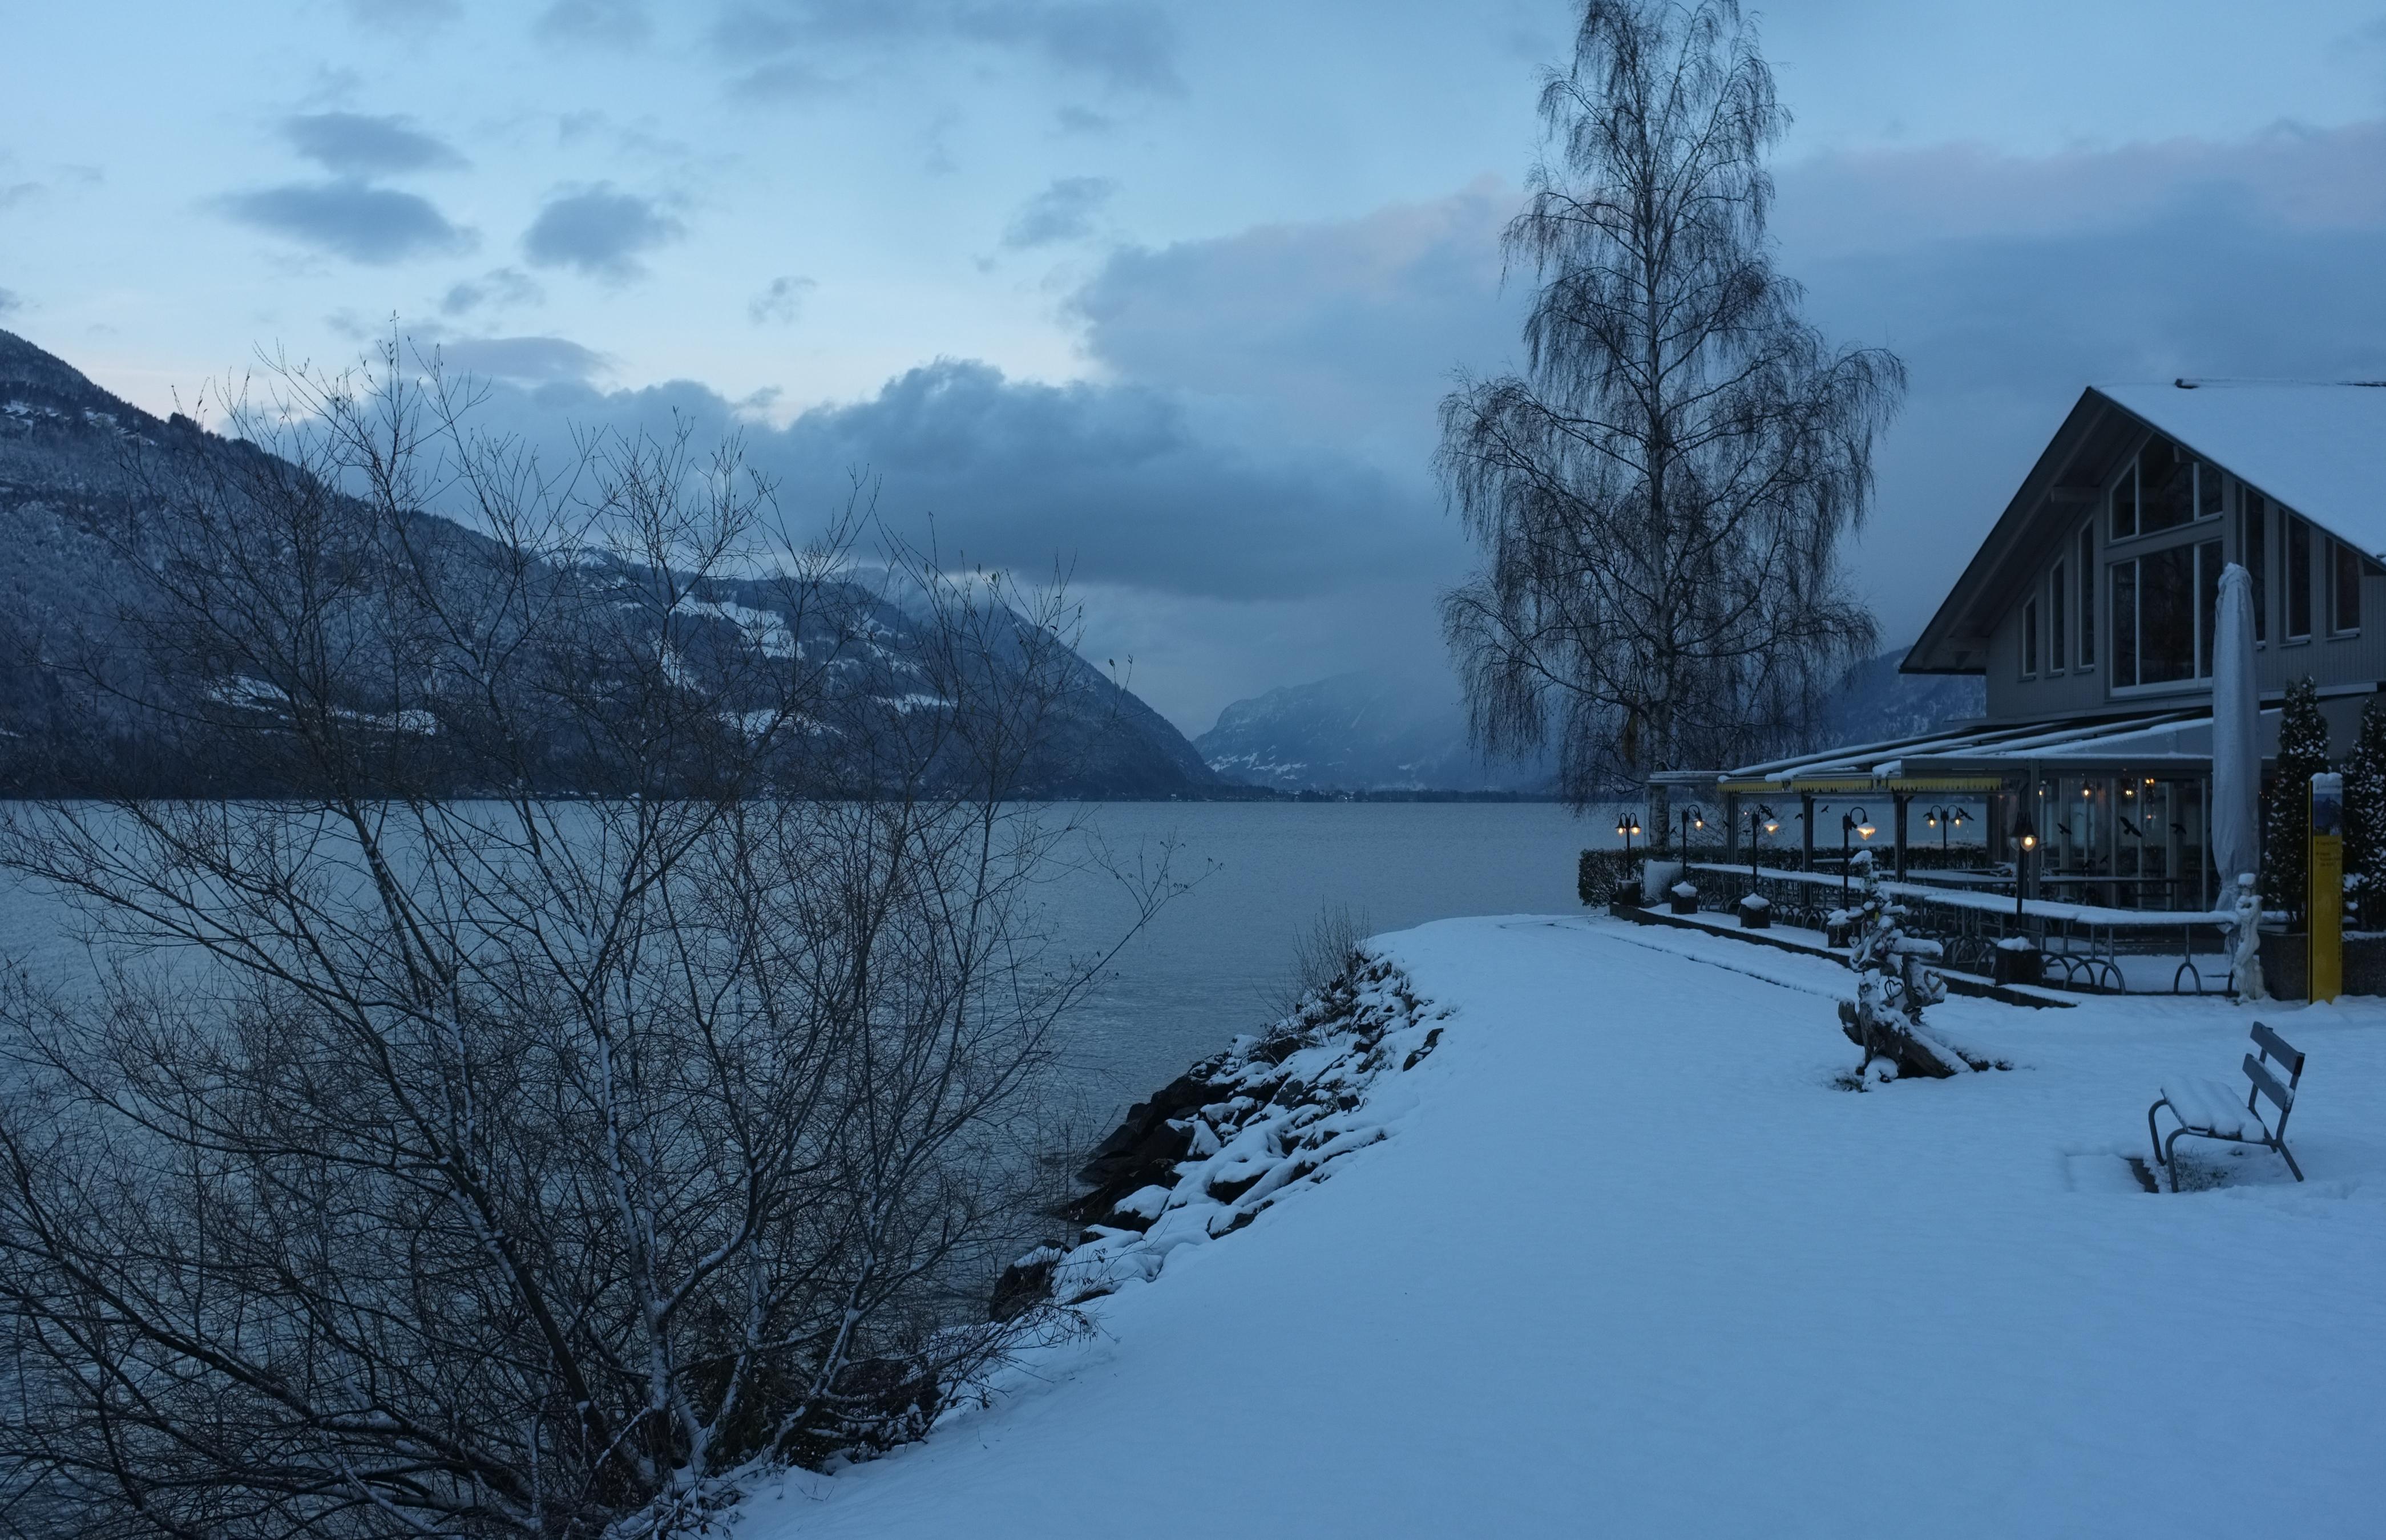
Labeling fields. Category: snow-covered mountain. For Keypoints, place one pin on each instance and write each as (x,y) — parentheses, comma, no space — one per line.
(1380,731)
(74,519)
(1361,732)
(1875,702)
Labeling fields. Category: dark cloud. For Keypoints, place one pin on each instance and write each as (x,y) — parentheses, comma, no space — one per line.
(603,23)
(10,303)
(352,144)
(1064,211)
(1345,327)
(17,192)
(1125,44)
(781,301)
(1078,119)
(599,232)
(529,360)
(348,219)
(1127,485)
(501,288)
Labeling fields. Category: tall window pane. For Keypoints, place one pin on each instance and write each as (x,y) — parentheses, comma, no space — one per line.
(2166,487)
(2207,604)
(2166,616)
(2298,577)
(2125,504)
(2256,546)
(2125,622)
(2209,484)
(2058,641)
(2088,593)
(2344,610)
(2029,638)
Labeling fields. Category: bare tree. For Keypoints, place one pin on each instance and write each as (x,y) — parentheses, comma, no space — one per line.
(1660,496)
(506,1164)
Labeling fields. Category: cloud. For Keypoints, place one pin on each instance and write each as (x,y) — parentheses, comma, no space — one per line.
(501,287)
(375,225)
(1064,211)
(1129,485)
(351,144)
(1345,326)
(1127,45)
(2303,179)
(529,360)
(1078,119)
(599,232)
(404,16)
(603,23)
(10,303)
(781,301)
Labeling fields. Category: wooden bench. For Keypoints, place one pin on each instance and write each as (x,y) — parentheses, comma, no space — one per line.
(2209,1110)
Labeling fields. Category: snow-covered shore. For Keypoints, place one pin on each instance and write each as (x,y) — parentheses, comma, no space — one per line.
(1629,1263)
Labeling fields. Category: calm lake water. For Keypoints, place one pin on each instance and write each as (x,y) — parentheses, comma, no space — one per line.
(1209,964)
(1213,959)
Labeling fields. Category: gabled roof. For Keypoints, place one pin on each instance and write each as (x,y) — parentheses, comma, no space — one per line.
(2319,449)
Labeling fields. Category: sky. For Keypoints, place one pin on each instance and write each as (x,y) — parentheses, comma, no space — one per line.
(1162,295)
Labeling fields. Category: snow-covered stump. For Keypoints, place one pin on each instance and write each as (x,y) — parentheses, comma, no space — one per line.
(1221,1143)
(1895,983)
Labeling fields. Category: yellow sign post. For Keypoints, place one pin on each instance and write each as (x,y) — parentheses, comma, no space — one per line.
(2326,896)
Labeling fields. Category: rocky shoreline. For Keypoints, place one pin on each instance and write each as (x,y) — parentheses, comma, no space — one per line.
(1220,1145)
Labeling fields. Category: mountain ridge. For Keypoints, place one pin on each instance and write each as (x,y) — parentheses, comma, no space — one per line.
(72,499)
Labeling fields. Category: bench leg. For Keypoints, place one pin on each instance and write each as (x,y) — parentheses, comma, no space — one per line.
(2281,1147)
(2177,1134)
(2154,1133)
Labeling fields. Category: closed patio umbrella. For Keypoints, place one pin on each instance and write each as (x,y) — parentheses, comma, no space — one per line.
(2237,770)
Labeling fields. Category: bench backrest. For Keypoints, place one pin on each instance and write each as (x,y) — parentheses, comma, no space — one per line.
(2265,1082)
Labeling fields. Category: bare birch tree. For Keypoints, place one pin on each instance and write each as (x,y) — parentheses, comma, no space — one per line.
(506,1164)
(1660,496)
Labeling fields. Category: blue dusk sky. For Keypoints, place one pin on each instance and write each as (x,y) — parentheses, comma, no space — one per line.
(1164,292)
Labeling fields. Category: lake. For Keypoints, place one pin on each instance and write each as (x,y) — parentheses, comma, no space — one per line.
(1212,960)
(1214,957)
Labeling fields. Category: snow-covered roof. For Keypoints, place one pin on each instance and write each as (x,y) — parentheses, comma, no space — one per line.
(2319,449)
(2176,741)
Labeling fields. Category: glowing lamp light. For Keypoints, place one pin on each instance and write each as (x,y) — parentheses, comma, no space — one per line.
(2029,842)
(1864,830)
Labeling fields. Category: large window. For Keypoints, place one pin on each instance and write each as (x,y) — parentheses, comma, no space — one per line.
(2347,567)
(2087,594)
(2256,546)
(2299,579)
(2029,639)
(2162,489)
(2163,607)
(2058,643)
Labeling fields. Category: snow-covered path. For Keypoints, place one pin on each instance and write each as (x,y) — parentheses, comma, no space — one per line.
(1634,1267)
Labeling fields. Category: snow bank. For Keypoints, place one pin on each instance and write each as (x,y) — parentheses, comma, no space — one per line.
(1220,1145)
(1630,1265)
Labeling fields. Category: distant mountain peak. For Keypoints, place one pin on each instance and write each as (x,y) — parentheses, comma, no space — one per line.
(1364,730)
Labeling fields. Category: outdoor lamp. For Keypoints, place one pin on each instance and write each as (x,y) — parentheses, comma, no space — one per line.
(1864,830)
(1858,820)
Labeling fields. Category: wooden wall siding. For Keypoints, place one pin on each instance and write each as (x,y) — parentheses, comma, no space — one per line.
(2330,660)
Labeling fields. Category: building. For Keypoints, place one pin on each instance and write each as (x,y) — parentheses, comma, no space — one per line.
(2088,608)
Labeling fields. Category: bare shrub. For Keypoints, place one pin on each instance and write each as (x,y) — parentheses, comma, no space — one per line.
(506,1163)
(1323,954)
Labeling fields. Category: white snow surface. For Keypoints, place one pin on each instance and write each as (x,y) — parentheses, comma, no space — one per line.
(1630,1263)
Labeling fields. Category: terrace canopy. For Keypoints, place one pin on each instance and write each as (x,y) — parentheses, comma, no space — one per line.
(2121,804)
